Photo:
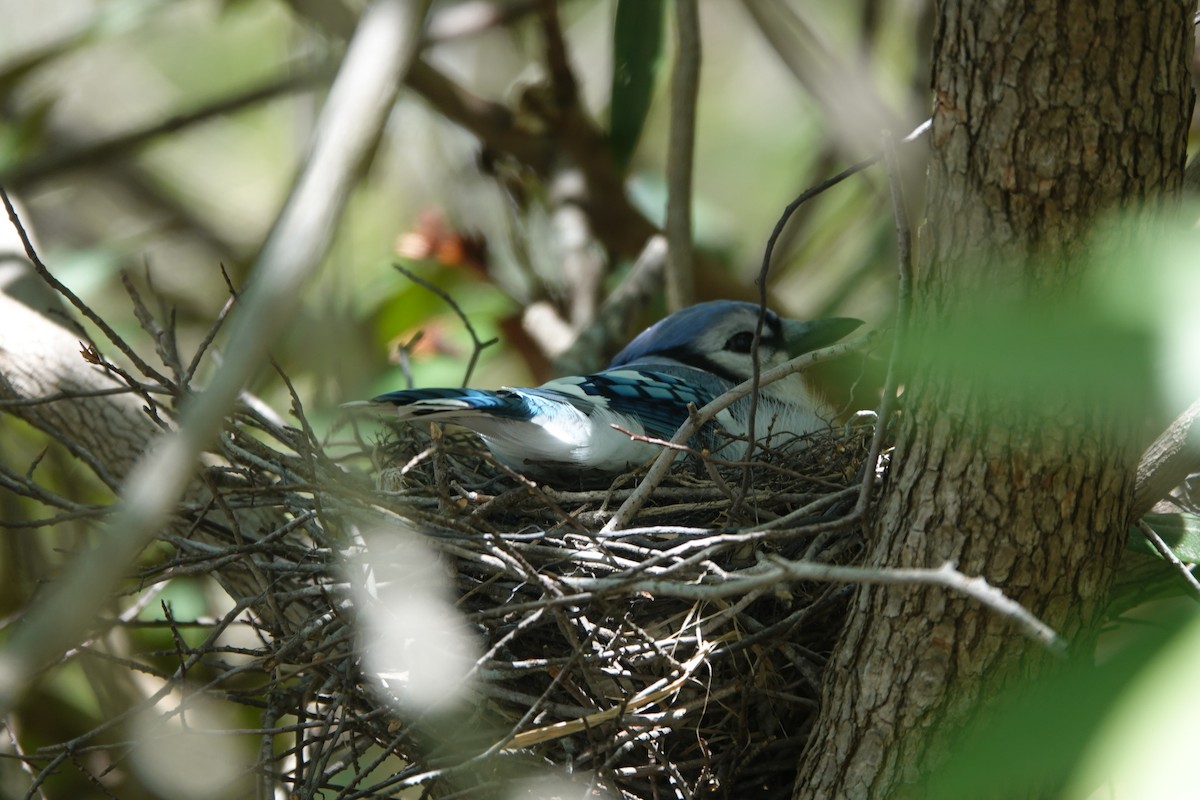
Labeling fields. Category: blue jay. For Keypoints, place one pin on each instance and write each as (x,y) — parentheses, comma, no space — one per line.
(562,431)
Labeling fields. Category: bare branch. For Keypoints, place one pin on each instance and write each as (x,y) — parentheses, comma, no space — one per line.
(359,102)
(1173,456)
(477,345)
(685,87)
(1169,556)
(775,571)
(614,220)
(887,400)
(89,154)
(80,306)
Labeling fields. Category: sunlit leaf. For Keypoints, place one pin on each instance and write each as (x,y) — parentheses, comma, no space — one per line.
(1146,742)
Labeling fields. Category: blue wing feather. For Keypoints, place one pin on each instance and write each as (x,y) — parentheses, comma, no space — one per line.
(658,400)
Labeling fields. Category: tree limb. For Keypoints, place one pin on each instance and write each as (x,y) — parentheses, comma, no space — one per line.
(1173,456)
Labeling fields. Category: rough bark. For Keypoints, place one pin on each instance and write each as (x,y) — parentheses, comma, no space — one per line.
(1047,115)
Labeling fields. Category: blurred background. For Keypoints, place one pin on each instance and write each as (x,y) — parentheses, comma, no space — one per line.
(160,139)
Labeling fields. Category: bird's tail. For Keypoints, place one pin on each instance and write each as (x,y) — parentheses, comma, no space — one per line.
(449,404)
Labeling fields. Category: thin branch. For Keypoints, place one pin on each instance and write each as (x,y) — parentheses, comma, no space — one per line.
(81,306)
(615,221)
(887,400)
(805,511)
(164,344)
(477,345)
(820,188)
(662,463)
(209,337)
(777,570)
(359,103)
(562,78)
(78,395)
(27,487)
(1169,556)
(765,268)
(490,122)
(121,144)
(1173,456)
(681,145)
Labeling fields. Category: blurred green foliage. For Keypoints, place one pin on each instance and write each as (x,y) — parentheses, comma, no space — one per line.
(216,186)
(1086,728)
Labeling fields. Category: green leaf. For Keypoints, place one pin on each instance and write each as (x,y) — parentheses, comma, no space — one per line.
(637,56)
(1181,532)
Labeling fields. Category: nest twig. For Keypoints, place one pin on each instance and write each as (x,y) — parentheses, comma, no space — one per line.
(650,692)
(656,695)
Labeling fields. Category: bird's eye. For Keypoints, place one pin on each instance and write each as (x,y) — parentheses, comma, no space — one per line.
(740,342)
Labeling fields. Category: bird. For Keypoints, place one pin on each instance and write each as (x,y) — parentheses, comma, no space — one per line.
(576,430)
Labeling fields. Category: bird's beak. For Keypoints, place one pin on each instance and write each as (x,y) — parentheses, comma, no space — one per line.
(804,337)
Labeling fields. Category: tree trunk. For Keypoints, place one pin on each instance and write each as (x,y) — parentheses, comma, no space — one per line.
(1047,115)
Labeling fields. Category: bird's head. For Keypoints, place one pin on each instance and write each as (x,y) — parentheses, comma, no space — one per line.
(718,336)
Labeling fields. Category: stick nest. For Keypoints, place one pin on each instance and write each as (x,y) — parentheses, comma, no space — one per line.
(635,656)
(650,660)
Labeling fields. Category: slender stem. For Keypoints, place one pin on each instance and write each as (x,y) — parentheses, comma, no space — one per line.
(1169,555)
(887,400)
(685,83)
